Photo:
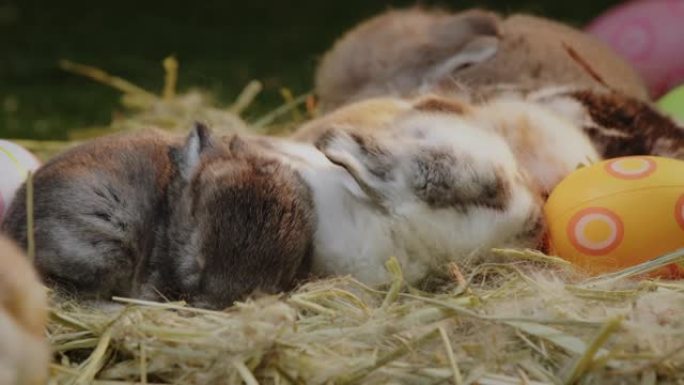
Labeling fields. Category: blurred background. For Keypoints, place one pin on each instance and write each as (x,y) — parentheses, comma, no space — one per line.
(221,46)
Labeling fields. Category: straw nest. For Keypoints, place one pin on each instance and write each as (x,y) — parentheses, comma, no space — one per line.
(524,318)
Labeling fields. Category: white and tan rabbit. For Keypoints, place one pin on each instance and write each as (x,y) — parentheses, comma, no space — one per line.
(24,352)
(409,51)
(154,215)
(434,188)
(545,144)
(530,142)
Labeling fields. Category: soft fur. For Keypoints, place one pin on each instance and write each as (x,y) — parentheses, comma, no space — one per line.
(432,187)
(505,155)
(551,97)
(405,52)
(24,353)
(150,214)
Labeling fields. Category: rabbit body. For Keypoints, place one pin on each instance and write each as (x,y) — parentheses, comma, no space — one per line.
(96,208)
(431,187)
(409,51)
(151,215)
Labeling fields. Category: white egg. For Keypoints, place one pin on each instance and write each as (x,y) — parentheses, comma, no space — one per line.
(15,163)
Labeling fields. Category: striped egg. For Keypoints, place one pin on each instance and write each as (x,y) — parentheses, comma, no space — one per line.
(15,163)
(619,213)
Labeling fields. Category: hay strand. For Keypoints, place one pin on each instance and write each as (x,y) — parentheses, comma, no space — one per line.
(170,65)
(30,225)
(103,77)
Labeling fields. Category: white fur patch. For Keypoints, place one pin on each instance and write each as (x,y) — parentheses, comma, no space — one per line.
(191,156)
(353,238)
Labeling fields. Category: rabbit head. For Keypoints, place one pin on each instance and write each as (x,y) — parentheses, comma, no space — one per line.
(241,220)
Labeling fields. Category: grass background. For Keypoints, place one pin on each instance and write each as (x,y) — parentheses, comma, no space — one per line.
(221,45)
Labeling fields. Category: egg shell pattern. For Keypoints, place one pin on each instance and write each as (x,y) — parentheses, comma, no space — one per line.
(618,213)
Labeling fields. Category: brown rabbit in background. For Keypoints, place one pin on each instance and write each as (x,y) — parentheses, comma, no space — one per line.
(540,66)
(152,215)
(24,353)
(407,52)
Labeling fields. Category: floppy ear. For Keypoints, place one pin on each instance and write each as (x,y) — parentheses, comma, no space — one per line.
(369,164)
(471,37)
(467,25)
(188,157)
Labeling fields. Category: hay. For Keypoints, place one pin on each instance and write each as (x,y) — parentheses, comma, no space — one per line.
(527,319)
(174,112)
(512,323)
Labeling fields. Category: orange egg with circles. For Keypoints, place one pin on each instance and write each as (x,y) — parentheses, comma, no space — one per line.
(619,213)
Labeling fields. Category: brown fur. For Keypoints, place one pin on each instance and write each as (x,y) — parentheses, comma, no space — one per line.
(534,53)
(439,104)
(395,53)
(373,115)
(642,129)
(267,216)
(151,215)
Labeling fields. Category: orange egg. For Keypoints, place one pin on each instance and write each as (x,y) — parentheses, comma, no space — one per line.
(619,213)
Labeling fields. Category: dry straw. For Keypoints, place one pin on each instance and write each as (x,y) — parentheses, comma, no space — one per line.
(515,322)
(524,318)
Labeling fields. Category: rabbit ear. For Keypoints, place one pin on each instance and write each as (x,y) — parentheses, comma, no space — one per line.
(196,143)
(465,26)
(472,37)
(369,165)
(474,52)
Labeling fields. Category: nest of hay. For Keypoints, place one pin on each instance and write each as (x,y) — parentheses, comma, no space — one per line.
(515,322)
(526,319)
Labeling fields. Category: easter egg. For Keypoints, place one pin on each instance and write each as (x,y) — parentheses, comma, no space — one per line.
(618,213)
(673,103)
(648,33)
(15,163)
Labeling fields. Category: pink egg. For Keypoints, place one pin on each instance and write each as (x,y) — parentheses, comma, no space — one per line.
(650,35)
(15,163)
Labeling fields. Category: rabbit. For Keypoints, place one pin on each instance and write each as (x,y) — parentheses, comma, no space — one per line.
(411,51)
(243,220)
(546,144)
(617,124)
(430,188)
(546,133)
(152,215)
(24,352)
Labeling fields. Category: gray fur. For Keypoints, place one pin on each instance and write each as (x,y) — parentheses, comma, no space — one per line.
(148,215)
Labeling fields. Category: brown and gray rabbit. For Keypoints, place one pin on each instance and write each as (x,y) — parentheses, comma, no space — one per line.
(150,214)
(24,352)
(409,51)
